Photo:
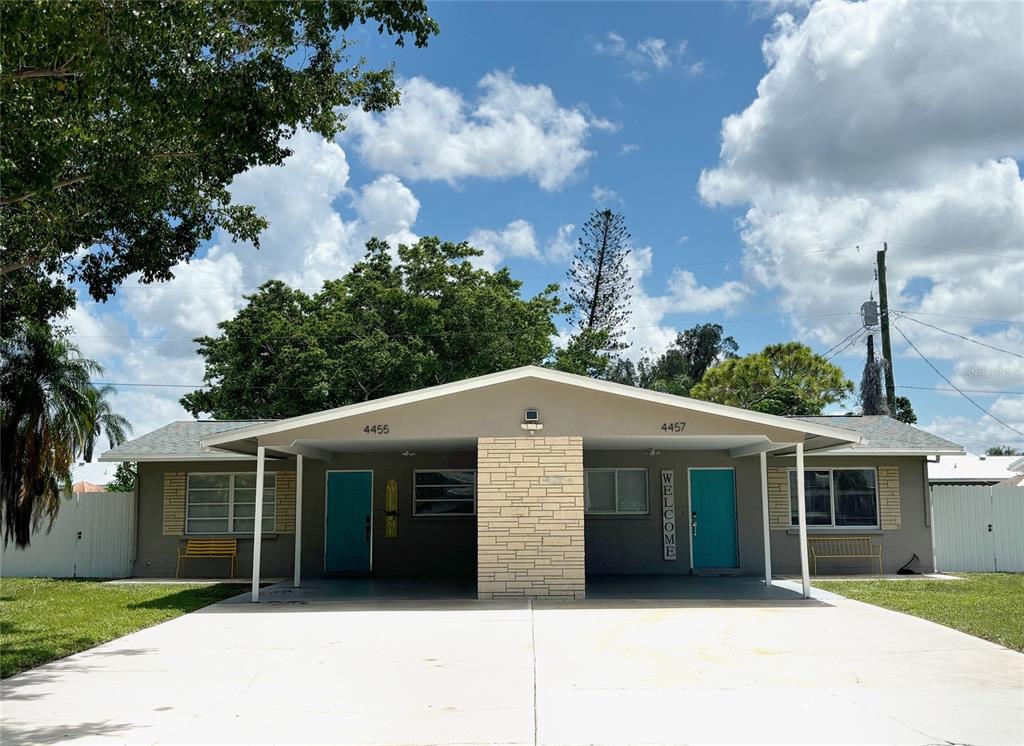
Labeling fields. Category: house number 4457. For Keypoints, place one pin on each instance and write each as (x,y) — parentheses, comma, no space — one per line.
(673,427)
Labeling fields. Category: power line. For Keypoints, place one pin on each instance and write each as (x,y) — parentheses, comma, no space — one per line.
(454,333)
(953,251)
(943,377)
(955,316)
(862,333)
(969,391)
(961,336)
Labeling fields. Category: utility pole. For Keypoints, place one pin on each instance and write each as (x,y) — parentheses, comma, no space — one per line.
(883,302)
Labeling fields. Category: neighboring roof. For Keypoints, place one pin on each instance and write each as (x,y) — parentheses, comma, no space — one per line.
(824,430)
(970,468)
(93,473)
(1017,466)
(87,487)
(178,441)
(886,435)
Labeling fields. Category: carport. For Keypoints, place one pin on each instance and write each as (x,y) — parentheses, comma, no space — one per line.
(550,475)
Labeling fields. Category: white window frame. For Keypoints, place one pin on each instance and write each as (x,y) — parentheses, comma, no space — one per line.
(647,492)
(231,502)
(416,501)
(832,498)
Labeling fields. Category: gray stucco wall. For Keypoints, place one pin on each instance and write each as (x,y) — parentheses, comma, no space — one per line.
(446,546)
(435,547)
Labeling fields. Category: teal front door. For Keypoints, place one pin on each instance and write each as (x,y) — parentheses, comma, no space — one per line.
(348,529)
(713,518)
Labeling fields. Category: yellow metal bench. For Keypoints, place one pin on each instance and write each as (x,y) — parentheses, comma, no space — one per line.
(842,547)
(206,548)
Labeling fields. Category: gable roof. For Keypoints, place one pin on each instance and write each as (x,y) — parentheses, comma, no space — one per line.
(179,441)
(198,440)
(883,433)
(543,374)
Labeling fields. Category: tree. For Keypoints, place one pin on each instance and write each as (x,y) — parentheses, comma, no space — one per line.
(905,411)
(100,418)
(384,328)
(872,397)
(124,123)
(48,408)
(786,379)
(124,478)
(599,282)
(1003,451)
(685,362)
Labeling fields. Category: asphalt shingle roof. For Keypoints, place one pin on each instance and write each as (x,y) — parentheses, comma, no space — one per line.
(883,432)
(181,439)
(178,439)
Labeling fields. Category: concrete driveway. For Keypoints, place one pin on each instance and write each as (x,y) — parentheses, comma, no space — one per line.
(595,672)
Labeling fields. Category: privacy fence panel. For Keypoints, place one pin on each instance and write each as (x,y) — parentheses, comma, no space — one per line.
(978,528)
(90,538)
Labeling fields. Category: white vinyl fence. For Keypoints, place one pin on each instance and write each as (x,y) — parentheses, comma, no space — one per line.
(92,537)
(978,529)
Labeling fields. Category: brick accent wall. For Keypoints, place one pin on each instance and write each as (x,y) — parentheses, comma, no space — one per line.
(285,502)
(530,518)
(174,503)
(778,497)
(889,496)
(890,514)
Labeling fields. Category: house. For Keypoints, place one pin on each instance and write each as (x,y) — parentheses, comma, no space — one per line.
(92,477)
(971,469)
(529,480)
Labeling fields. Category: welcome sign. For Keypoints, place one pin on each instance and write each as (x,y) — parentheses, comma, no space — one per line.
(668,514)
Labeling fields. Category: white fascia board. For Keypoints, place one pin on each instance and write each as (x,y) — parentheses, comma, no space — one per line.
(125,457)
(854,452)
(544,374)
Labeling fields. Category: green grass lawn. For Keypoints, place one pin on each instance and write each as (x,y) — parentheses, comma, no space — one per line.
(42,620)
(986,605)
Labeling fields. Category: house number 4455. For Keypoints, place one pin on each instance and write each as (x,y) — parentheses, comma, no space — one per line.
(377,429)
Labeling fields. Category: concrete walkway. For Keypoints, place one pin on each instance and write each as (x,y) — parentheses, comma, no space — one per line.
(607,671)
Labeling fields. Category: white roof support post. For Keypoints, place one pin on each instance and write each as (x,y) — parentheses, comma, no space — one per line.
(764,519)
(297,581)
(801,511)
(257,529)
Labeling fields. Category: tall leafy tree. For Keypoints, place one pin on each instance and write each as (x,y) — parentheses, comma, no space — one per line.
(905,411)
(385,327)
(48,410)
(123,123)
(600,284)
(787,378)
(124,478)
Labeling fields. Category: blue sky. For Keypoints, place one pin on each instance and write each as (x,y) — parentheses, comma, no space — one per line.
(848,126)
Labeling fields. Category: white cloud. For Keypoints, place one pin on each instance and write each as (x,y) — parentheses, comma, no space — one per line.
(561,246)
(309,240)
(513,129)
(684,294)
(604,196)
(517,239)
(647,56)
(629,147)
(978,434)
(884,121)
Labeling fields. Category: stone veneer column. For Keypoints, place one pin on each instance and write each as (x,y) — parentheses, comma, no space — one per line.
(529,499)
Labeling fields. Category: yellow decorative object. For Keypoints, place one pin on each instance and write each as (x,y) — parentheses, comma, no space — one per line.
(391,509)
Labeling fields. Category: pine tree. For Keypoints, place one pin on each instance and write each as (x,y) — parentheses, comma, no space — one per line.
(600,284)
